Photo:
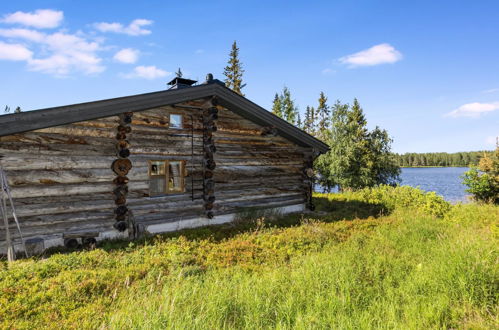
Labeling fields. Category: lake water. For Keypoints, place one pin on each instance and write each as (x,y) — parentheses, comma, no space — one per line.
(444,181)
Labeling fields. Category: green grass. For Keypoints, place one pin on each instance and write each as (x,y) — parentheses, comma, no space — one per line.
(379,258)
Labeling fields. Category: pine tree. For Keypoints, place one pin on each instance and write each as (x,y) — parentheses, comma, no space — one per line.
(299,124)
(323,115)
(18,110)
(234,71)
(277,106)
(179,73)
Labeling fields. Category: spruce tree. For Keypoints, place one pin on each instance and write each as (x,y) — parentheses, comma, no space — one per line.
(307,120)
(323,116)
(277,106)
(234,71)
(290,111)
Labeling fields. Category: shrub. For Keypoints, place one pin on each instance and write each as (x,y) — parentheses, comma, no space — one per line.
(483,181)
(399,197)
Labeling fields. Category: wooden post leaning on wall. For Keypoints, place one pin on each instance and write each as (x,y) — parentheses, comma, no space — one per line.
(210,115)
(308,177)
(121,167)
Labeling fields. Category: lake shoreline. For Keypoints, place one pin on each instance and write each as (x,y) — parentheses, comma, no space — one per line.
(458,166)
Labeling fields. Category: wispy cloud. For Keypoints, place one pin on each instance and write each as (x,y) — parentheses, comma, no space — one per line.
(27,34)
(147,72)
(199,51)
(61,53)
(127,55)
(135,28)
(474,110)
(14,52)
(327,71)
(376,55)
(41,18)
(490,91)
(65,52)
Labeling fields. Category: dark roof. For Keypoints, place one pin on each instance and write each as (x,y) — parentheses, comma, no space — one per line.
(43,118)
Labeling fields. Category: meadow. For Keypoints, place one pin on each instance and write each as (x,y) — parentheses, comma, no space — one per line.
(386,258)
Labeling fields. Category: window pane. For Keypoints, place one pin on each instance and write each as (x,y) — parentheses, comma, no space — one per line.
(175,176)
(175,168)
(175,183)
(157,185)
(157,168)
(175,121)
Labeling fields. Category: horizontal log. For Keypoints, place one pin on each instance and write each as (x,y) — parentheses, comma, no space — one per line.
(58,149)
(69,130)
(56,162)
(33,177)
(37,138)
(61,189)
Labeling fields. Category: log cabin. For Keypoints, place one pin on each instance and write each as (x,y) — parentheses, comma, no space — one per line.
(191,155)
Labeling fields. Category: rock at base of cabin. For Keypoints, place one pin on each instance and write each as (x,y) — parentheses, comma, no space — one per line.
(120,226)
(89,242)
(71,243)
(34,246)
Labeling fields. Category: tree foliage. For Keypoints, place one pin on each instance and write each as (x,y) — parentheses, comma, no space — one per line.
(277,106)
(285,108)
(483,181)
(358,157)
(234,71)
(463,159)
(323,116)
(309,121)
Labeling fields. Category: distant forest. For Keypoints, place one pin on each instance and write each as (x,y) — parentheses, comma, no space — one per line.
(440,158)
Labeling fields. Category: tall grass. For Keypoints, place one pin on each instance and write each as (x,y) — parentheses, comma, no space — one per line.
(387,258)
(415,274)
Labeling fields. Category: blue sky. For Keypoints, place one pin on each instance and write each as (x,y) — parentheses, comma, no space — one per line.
(427,71)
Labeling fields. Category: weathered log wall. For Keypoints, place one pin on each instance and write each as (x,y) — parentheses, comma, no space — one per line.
(62,181)
(151,139)
(255,168)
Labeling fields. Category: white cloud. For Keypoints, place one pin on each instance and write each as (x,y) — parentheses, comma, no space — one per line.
(14,52)
(199,51)
(490,91)
(474,109)
(26,34)
(127,55)
(379,54)
(147,72)
(133,29)
(41,18)
(65,52)
(69,53)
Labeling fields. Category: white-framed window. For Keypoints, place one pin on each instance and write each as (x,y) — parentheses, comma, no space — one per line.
(176,121)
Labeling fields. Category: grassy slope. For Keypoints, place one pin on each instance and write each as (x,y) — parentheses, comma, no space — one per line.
(422,263)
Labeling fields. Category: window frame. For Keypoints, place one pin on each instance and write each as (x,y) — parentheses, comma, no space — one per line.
(166,176)
(170,120)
